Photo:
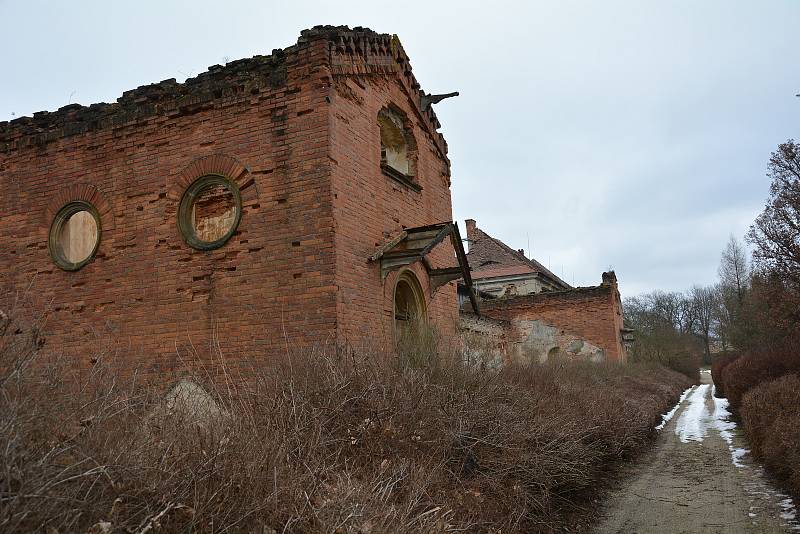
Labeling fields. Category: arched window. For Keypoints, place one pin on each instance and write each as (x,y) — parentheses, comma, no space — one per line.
(398,147)
(415,340)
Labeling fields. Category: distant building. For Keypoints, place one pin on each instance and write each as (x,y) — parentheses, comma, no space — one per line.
(501,271)
(529,314)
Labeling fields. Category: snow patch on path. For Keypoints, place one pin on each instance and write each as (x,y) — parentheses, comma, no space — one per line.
(670,414)
(694,422)
(789,512)
(725,426)
(723,423)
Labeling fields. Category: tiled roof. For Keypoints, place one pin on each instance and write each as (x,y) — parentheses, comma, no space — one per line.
(497,272)
(487,254)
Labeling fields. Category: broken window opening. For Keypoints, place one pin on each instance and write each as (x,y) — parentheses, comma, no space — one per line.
(398,147)
(210,211)
(213,212)
(74,235)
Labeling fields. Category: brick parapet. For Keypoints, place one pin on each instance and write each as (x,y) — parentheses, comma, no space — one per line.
(593,314)
(356,51)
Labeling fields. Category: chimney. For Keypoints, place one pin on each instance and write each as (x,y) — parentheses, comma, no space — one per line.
(521,251)
(610,279)
(470,229)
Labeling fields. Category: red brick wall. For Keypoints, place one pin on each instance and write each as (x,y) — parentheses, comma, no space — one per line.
(298,132)
(147,293)
(370,208)
(591,314)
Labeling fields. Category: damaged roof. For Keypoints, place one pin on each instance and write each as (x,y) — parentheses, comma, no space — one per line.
(414,244)
(491,258)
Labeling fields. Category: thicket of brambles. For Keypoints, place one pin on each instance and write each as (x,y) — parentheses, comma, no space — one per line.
(316,443)
(760,325)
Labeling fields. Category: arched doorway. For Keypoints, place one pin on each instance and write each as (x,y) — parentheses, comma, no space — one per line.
(409,302)
(555,355)
(410,314)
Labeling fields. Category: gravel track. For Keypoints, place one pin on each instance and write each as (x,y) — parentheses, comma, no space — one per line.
(698,478)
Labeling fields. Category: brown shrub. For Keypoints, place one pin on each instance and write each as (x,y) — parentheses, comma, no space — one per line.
(686,362)
(718,365)
(321,442)
(771,419)
(752,369)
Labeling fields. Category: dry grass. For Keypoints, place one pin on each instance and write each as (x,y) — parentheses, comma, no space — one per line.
(318,443)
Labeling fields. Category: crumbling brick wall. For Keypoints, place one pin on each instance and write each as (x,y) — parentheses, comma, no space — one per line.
(295,271)
(592,315)
(485,341)
(371,207)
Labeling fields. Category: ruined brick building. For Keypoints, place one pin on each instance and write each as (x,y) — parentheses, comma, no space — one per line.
(296,199)
(533,315)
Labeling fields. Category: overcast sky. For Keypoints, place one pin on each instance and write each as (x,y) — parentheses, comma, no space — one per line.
(632,135)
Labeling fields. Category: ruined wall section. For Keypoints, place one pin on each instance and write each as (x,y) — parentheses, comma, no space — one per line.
(370,207)
(581,319)
(485,341)
(146,293)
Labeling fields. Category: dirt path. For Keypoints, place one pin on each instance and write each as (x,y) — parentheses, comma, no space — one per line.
(698,478)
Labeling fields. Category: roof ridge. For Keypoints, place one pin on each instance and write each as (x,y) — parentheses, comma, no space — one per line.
(527,261)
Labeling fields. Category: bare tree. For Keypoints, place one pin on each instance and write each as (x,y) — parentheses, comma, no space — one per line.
(734,269)
(735,279)
(727,306)
(776,232)
(704,309)
(663,322)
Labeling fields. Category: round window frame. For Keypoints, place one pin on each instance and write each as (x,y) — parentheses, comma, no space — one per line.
(185,224)
(53,240)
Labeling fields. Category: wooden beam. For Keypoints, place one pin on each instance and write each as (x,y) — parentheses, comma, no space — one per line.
(388,246)
(458,245)
(446,229)
(439,277)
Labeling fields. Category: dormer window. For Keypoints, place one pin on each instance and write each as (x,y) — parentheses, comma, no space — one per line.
(398,147)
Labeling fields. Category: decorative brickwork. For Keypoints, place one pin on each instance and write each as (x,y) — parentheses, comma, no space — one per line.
(298,132)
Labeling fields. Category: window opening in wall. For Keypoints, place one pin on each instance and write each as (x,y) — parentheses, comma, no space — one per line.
(398,148)
(210,211)
(394,149)
(406,307)
(74,235)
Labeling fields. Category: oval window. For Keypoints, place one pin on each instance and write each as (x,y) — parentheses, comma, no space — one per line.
(74,235)
(209,212)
